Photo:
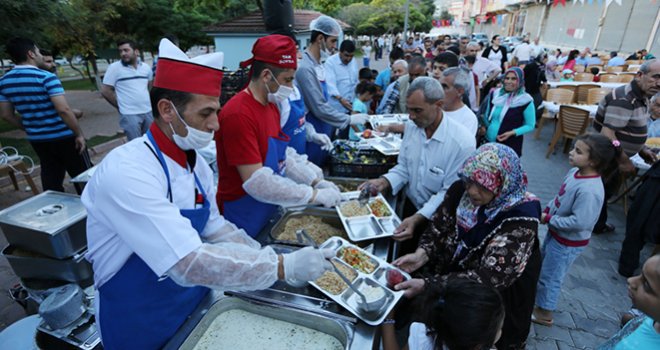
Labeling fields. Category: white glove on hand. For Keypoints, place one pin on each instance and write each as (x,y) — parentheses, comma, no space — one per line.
(328,197)
(306,264)
(358,119)
(322,140)
(326,184)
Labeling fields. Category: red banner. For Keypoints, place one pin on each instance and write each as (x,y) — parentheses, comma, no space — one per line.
(556,2)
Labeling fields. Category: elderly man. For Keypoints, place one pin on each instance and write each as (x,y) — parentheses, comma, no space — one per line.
(385,77)
(341,75)
(463,42)
(157,242)
(622,116)
(455,82)
(433,150)
(485,69)
(126,87)
(311,80)
(523,52)
(392,101)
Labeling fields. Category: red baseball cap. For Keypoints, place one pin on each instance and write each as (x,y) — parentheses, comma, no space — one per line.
(275,49)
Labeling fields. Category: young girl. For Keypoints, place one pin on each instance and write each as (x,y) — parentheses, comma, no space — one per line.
(566,75)
(571,217)
(465,314)
(364,92)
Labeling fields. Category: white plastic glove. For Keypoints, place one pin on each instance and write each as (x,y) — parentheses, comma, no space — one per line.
(328,197)
(318,138)
(270,188)
(358,119)
(326,184)
(306,264)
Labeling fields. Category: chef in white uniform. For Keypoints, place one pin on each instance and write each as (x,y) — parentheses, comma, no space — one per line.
(156,240)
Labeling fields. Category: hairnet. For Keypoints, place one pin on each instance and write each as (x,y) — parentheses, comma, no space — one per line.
(326,25)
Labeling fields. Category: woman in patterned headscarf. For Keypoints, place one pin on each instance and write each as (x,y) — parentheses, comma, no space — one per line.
(486,230)
(509,111)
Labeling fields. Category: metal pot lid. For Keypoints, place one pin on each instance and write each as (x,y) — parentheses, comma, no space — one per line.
(63,306)
(48,212)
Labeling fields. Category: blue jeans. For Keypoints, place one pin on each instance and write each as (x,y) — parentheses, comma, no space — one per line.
(557,259)
(135,125)
(365,61)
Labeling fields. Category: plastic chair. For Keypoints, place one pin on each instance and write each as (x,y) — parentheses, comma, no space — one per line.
(572,121)
(609,78)
(626,78)
(559,96)
(581,92)
(629,62)
(595,95)
(615,69)
(578,69)
(600,68)
(633,69)
(570,88)
(584,77)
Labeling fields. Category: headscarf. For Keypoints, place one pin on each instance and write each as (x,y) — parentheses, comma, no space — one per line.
(550,72)
(497,168)
(516,98)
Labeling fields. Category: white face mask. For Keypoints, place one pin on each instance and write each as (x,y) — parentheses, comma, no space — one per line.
(283,92)
(196,139)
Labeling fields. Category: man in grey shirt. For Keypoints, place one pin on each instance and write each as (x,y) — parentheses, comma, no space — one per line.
(310,79)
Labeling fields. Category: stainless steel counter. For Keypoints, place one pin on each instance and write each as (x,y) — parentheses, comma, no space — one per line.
(282,295)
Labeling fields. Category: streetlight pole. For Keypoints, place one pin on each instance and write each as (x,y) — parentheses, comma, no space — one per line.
(405,21)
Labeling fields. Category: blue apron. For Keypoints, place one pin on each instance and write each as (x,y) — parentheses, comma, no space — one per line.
(139,310)
(295,126)
(314,152)
(249,213)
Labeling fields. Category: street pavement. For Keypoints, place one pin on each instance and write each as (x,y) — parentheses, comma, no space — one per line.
(593,296)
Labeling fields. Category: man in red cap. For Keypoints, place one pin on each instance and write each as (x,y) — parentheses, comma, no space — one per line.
(156,240)
(255,175)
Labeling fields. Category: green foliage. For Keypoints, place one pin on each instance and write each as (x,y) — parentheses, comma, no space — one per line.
(387,16)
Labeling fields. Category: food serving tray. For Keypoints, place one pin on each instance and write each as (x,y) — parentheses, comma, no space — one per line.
(375,279)
(326,216)
(369,225)
(377,120)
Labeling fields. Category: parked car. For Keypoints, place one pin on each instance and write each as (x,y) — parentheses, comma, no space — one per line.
(61,61)
(480,38)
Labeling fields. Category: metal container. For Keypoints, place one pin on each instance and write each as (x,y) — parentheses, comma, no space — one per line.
(369,226)
(30,265)
(328,216)
(51,223)
(346,184)
(342,331)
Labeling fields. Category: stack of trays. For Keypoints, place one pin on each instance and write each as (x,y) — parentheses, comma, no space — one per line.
(371,273)
(375,220)
(377,120)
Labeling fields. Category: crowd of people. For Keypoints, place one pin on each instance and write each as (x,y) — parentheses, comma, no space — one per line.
(159,230)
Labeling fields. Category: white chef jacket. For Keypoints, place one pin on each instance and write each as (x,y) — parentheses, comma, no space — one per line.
(430,166)
(341,79)
(128,210)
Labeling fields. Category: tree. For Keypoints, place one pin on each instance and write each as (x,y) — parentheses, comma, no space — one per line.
(356,15)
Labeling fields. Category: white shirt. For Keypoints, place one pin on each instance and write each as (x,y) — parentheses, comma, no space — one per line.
(128,210)
(483,67)
(536,49)
(341,80)
(417,338)
(430,166)
(465,117)
(131,86)
(524,52)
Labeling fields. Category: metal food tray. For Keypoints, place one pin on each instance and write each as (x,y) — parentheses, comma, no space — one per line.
(348,298)
(389,146)
(377,120)
(328,216)
(346,181)
(361,228)
(340,330)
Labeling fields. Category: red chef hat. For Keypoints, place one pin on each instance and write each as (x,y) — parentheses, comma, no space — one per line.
(176,71)
(275,49)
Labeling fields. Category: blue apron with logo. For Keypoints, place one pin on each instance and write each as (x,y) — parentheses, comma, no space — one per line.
(295,126)
(249,213)
(139,310)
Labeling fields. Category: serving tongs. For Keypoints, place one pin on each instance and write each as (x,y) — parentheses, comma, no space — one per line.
(365,194)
